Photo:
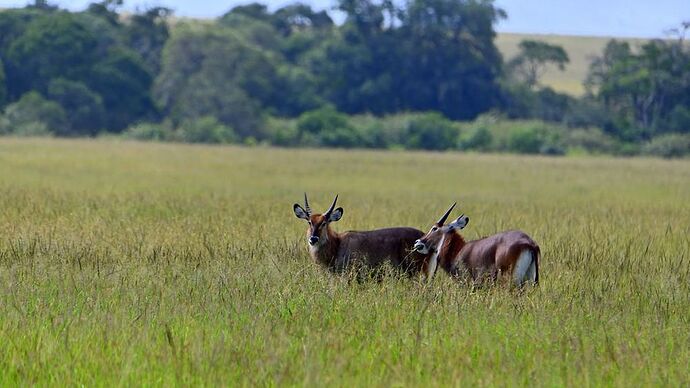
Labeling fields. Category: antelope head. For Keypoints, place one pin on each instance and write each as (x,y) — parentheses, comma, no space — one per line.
(432,241)
(317,233)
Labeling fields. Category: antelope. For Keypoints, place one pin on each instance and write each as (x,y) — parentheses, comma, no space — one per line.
(512,252)
(337,251)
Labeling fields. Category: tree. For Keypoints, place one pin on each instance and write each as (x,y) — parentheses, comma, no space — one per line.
(299,17)
(3,89)
(208,71)
(53,45)
(644,91)
(83,107)
(146,34)
(431,131)
(449,61)
(533,60)
(124,83)
(33,113)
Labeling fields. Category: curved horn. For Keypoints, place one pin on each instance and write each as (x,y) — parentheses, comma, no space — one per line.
(332,206)
(306,204)
(443,219)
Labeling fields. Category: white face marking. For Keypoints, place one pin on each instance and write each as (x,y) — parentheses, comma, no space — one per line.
(421,248)
(433,261)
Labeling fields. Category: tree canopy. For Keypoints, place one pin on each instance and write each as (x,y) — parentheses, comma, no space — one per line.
(428,62)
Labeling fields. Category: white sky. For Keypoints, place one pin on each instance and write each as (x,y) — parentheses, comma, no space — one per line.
(621,18)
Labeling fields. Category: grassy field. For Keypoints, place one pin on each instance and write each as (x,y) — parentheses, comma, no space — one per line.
(150,264)
(581,50)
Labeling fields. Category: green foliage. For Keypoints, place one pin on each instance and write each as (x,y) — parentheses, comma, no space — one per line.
(476,139)
(591,140)
(205,130)
(525,141)
(533,58)
(671,145)
(124,83)
(208,71)
(53,45)
(3,88)
(84,108)
(256,69)
(646,91)
(327,127)
(431,131)
(146,33)
(150,132)
(679,119)
(33,114)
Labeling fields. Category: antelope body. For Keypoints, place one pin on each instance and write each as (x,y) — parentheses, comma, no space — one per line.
(338,251)
(512,252)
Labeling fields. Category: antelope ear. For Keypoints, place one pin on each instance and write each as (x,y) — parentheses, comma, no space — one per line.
(300,213)
(336,215)
(460,223)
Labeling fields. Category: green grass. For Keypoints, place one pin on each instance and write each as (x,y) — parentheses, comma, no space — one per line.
(581,50)
(149,264)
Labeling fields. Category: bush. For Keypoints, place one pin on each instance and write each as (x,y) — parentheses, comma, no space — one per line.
(668,146)
(3,89)
(525,141)
(34,128)
(84,108)
(679,120)
(591,140)
(282,132)
(476,139)
(32,112)
(205,130)
(327,127)
(431,131)
(150,132)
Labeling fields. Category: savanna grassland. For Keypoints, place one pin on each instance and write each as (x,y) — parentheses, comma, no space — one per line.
(128,263)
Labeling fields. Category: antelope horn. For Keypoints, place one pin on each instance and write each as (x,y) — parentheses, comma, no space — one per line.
(333,205)
(443,219)
(306,204)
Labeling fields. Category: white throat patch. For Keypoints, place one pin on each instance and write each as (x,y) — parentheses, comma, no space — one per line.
(433,261)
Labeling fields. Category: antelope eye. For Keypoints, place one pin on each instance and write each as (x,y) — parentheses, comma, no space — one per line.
(434,229)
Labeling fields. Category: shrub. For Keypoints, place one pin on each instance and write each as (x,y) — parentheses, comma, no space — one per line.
(668,146)
(3,89)
(327,127)
(679,120)
(525,141)
(431,131)
(592,140)
(31,112)
(205,130)
(84,108)
(282,132)
(476,139)
(150,132)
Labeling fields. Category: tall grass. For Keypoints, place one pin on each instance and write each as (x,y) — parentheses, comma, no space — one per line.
(150,264)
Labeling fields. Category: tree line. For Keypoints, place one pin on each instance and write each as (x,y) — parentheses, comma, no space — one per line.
(408,76)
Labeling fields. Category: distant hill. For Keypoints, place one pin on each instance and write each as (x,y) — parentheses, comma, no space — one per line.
(581,50)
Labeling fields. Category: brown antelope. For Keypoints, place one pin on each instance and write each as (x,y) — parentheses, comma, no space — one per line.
(337,251)
(512,252)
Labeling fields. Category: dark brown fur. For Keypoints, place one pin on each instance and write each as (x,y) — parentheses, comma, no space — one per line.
(338,251)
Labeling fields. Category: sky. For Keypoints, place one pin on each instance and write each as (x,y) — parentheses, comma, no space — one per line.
(615,18)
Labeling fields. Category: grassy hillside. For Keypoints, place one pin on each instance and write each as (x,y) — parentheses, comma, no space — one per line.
(581,50)
(149,264)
